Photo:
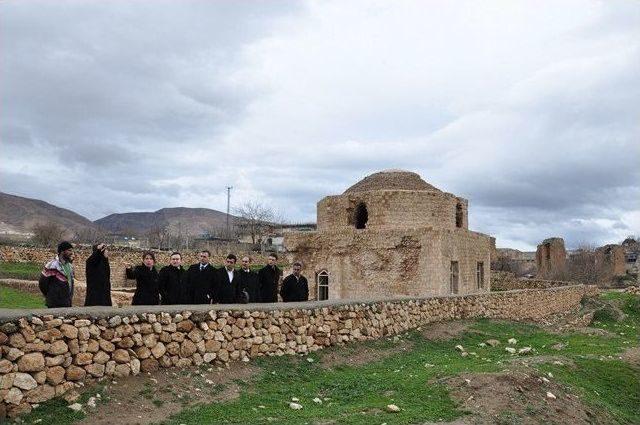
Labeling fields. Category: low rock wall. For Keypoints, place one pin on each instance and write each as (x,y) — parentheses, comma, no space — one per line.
(506,281)
(44,353)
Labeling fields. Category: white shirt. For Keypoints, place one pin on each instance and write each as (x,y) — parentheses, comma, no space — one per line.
(230,274)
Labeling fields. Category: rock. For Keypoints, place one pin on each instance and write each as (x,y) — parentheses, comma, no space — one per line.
(525,350)
(115,321)
(55,375)
(209,357)
(95,369)
(82,359)
(464,354)
(317,400)
(493,342)
(121,356)
(149,365)
(135,366)
(14,354)
(512,341)
(24,381)
(184,326)
(13,396)
(31,362)
(110,367)
(40,377)
(80,323)
(76,407)
(19,410)
(122,370)
(187,348)
(551,396)
(70,332)
(159,350)
(41,394)
(295,406)
(5,366)
(101,357)
(460,348)
(91,402)
(559,346)
(392,408)
(17,340)
(482,344)
(54,361)
(8,328)
(510,350)
(58,347)
(150,340)
(143,352)
(75,373)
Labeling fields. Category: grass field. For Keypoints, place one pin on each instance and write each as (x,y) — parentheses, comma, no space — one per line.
(13,298)
(27,271)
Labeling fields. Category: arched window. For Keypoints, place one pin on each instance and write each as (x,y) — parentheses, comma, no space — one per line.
(322,280)
(360,216)
(459,215)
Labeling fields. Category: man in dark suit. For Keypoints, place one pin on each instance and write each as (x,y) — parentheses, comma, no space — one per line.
(200,281)
(269,277)
(295,286)
(248,282)
(227,290)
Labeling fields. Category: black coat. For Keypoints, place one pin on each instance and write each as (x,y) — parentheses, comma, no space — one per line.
(268,277)
(294,289)
(248,282)
(171,281)
(226,292)
(147,289)
(200,284)
(56,292)
(98,275)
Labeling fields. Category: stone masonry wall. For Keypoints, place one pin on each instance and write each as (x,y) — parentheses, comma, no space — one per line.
(393,208)
(45,353)
(551,258)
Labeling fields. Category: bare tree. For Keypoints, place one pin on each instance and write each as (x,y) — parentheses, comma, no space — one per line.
(158,236)
(89,235)
(256,219)
(583,266)
(48,233)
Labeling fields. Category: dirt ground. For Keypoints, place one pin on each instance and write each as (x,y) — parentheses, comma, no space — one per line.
(166,392)
(519,396)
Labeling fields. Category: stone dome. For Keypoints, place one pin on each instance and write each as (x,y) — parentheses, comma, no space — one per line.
(391,180)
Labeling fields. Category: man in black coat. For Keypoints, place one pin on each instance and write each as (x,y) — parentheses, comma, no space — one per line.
(56,280)
(171,280)
(249,281)
(227,291)
(146,276)
(269,277)
(201,280)
(295,286)
(98,275)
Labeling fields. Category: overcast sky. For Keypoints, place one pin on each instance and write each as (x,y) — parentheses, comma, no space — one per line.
(529,109)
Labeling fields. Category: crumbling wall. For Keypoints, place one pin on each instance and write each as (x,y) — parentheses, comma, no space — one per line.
(551,258)
(507,281)
(611,260)
(45,353)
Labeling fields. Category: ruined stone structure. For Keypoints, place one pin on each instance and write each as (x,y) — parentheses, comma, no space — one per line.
(391,234)
(551,258)
(610,259)
(45,353)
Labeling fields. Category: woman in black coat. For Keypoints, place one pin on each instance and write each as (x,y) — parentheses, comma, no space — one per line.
(146,276)
(98,277)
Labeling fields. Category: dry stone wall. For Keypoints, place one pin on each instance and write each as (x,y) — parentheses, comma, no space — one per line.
(45,353)
(506,281)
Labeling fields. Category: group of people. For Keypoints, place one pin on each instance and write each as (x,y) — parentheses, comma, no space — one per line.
(201,283)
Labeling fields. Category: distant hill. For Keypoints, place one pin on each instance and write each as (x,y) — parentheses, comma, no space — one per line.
(19,215)
(192,221)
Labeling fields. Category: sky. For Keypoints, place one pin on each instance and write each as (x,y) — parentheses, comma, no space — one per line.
(529,109)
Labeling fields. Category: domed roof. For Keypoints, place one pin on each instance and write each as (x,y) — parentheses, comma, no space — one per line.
(391,180)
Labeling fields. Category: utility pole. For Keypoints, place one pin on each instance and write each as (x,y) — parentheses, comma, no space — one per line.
(228,204)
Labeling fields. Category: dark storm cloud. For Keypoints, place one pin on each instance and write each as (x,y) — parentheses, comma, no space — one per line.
(139,105)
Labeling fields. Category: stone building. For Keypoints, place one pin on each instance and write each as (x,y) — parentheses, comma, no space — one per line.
(551,258)
(391,234)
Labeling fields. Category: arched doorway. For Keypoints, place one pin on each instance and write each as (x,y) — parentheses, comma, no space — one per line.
(360,216)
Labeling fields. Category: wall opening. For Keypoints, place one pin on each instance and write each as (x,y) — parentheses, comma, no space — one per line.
(454,278)
(459,215)
(360,216)
(480,274)
(322,280)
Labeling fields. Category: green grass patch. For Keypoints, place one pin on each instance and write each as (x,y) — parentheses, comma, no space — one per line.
(56,411)
(13,298)
(27,271)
